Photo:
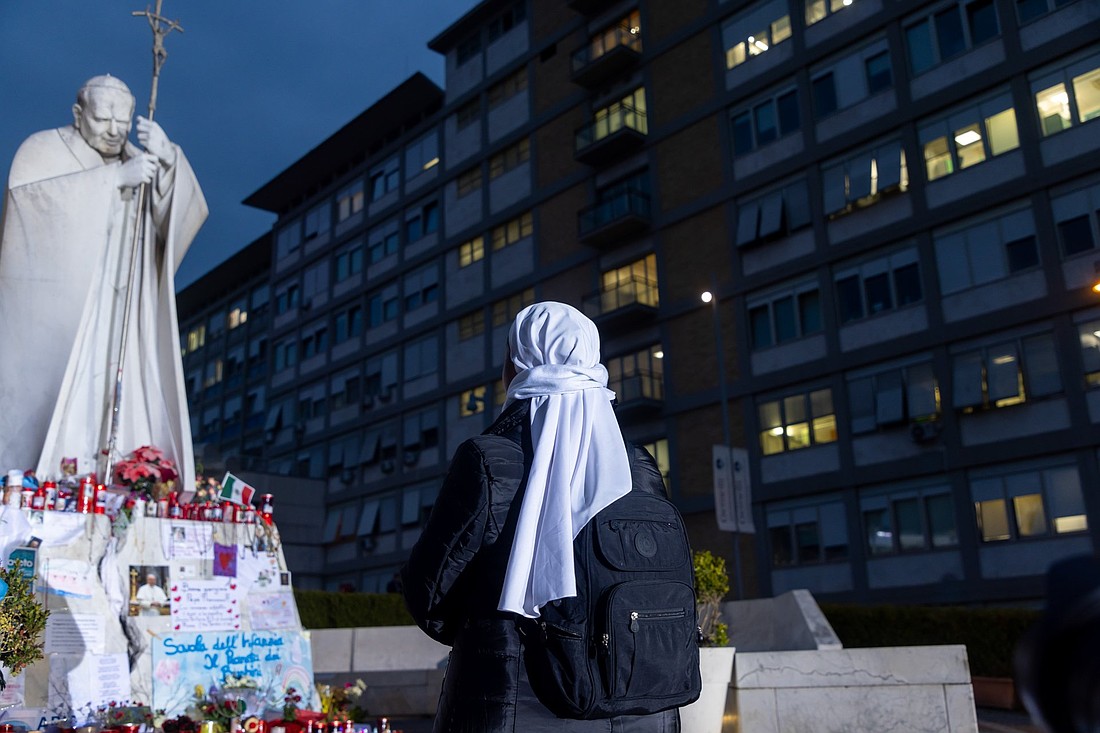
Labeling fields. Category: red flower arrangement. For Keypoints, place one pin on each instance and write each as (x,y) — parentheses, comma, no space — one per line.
(147,472)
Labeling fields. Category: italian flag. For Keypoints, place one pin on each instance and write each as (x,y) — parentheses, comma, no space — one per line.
(236,490)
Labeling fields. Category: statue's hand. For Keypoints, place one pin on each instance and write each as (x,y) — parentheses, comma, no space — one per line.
(137,170)
(153,139)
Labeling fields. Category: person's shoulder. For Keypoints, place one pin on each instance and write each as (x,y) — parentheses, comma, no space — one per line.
(38,156)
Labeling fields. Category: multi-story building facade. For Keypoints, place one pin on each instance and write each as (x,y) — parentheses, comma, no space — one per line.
(895,204)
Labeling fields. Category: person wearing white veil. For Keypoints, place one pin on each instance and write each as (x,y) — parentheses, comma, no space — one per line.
(499,542)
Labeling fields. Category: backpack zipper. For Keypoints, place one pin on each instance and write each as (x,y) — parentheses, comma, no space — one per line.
(656,615)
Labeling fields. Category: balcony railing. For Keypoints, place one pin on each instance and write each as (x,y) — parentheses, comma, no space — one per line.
(628,300)
(615,218)
(607,54)
(614,131)
(638,393)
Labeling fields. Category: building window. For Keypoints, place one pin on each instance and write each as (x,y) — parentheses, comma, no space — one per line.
(911,520)
(765,122)
(507,88)
(1035,503)
(470,325)
(797,421)
(1068,97)
(317,222)
(638,376)
(213,373)
(349,201)
(776,214)
(381,376)
(1077,218)
(755,31)
(469,181)
(286,354)
(863,179)
(851,79)
(421,288)
(628,112)
(349,261)
(808,535)
(627,32)
(347,324)
(1028,10)
(785,316)
(383,242)
(894,397)
(818,10)
(238,314)
(468,49)
(631,284)
(969,136)
(288,239)
(259,301)
(314,282)
(216,326)
(949,32)
(512,231)
(471,251)
(346,390)
(384,306)
(986,250)
(471,402)
(878,286)
(507,20)
(287,297)
(659,450)
(421,358)
(1089,335)
(385,178)
(421,222)
(314,341)
(422,155)
(196,338)
(511,157)
(505,310)
(879,73)
(468,114)
(1007,373)
(420,432)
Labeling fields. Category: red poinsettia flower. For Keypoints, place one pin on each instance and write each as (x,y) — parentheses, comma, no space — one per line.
(148,454)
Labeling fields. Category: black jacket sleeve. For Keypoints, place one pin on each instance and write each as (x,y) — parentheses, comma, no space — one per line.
(449,541)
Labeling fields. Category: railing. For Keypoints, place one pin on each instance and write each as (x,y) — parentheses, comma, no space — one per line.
(642,385)
(608,121)
(626,203)
(634,291)
(603,44)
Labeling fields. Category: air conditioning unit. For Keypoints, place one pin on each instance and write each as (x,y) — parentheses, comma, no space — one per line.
(925,432)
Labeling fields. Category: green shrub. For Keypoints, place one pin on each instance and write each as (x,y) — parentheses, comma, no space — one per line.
(320,609)
(712,583)
(990,634)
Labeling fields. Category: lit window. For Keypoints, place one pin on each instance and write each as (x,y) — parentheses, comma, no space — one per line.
(1068,97)
(627,113)
(509,158)
(1089,335)
(637,376)
(512,231)
(1029,503)
(238,315)
(756,31)
(471,402)
(196,338)
(471,251)
(863,179)
(631,284)
(349,201)
(627,32)
(659,450)
(469,181)
(817,10)
(471,325)
(505,310)
(969,136)
(798,421)
(422,155)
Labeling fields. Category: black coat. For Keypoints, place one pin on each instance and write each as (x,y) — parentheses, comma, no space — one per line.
(453,580)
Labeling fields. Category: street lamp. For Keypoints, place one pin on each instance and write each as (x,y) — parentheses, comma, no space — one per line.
(708,296)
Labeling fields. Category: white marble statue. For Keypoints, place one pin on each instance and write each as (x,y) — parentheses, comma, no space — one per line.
(68,223)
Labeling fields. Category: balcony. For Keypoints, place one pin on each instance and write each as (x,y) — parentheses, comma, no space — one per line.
(638,395)
(628,303)
(606,55)
(588,7)
(614,219)
(616,131)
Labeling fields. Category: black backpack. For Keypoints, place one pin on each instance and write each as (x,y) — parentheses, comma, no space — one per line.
(627,644)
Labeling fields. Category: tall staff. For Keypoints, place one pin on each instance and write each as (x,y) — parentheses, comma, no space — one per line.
(161,27)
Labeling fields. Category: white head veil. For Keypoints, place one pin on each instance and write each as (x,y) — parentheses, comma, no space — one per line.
(579,465)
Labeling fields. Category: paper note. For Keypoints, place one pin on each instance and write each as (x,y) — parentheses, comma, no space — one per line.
(73,578)
(186,540)
(205,605)
(75,633)
(272,610)
(88,681)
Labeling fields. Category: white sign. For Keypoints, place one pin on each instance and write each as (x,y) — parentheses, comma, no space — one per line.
(76,633)
(273,610)
(206,605)
(732,490)
(88,681)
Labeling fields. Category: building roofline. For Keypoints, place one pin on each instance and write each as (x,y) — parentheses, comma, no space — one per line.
(474,18)
(404,106)
(225,277)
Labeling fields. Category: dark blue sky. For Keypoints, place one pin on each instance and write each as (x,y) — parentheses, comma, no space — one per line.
(248,88)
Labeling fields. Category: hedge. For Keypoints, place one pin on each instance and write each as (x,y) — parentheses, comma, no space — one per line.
(320,609)
(990,634)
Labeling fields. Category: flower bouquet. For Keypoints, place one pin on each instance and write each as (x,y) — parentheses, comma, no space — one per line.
(147,472)
(339,702)
(220,706)
(123,716)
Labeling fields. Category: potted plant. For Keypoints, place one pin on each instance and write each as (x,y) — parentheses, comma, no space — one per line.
(712,583)
(22,619)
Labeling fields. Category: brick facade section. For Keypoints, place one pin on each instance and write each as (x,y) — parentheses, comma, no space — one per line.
(688,163)
(666,18)
(683,80)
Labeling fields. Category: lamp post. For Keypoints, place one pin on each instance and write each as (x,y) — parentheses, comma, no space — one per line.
(708,296)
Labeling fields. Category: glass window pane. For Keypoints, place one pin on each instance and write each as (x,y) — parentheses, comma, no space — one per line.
(910,533)
(742,134)
(794,409)
(919,44)
(1087,90)
(787,104)
(1030,9)
(880,536)
(877,289)
(809,542)
(1002,132)
(861,404)
(825,429)
(1067,507)
(969,146)
(1089,335)
(786,328)
(1031,520)
(1076,235)
(968,380)
(766,130)
(834,531)
(937,159)
(1003,375)
(949,33)
(941,520)
(907,284)
(781,542)
(798,436)
(760,325)
(849,299)
(1041,365)
(922,393)
(879,74)
(1022,254)
(824,93)
(992,520)
(809,312)
(821,402)
(769,415)
(1052,104)
(983,21)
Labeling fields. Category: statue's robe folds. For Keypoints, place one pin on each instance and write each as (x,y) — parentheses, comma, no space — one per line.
(64,267)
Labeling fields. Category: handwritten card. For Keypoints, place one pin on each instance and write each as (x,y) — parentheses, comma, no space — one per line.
(205,605)
(186,540)
(272,610)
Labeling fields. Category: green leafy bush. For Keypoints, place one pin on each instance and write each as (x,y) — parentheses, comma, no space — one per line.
(712,583)
(990,634)
(22,619)
(320,609)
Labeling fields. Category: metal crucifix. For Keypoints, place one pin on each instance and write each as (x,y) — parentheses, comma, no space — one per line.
(161,27)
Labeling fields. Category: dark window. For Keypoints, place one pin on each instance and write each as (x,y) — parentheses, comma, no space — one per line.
(824,89)
(848,299)
(431,218)
(787,104)
(760,325)
(809,311)
(877,288)
(1076,235)
(1030,9)
(919,42)
(786,328)
(781,544)
(982,16)
(949,32)
(742,133)
(468,49)
(809,542)
(879,74)
(1022,254)
(766,130)
(907,284)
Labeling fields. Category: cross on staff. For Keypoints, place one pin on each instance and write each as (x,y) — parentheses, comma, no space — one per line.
(161,27)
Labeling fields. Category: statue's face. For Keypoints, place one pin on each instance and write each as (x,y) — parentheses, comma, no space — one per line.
(105,121)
